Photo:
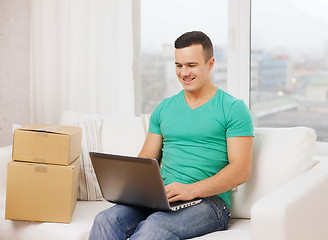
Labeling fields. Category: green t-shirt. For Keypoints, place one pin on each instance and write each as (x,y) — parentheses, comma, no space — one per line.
(194,140)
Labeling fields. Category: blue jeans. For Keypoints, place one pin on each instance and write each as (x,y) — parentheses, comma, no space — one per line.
(122,222)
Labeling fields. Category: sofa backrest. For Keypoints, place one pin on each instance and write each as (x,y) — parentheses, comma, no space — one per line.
(122,135)
(279,154)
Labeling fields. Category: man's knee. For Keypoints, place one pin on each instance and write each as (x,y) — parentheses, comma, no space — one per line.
(105,227)
(105,217)
(100,218)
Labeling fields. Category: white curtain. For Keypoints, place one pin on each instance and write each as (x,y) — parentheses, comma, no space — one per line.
(81,58)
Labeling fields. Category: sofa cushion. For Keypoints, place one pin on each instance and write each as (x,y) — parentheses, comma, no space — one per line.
(279,154)
(122,135)
(5,158)
(88,184)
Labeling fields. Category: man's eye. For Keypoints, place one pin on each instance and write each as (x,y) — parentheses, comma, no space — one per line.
(178,66)
(192,65)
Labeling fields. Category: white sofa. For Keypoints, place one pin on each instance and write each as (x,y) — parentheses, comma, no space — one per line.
(285,199)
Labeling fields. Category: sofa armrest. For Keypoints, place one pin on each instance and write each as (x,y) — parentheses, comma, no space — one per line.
(5,158)
(297,210)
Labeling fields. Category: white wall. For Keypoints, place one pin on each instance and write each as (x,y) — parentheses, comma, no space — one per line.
(14,66)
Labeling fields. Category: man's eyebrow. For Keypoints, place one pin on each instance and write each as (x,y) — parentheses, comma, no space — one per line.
(188,63)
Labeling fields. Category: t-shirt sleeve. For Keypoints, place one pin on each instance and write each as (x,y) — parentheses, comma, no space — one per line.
(240,122)
(154,122)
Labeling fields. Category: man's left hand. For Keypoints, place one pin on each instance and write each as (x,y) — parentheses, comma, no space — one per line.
(179,192)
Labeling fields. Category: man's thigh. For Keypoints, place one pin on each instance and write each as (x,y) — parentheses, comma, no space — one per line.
(212,214)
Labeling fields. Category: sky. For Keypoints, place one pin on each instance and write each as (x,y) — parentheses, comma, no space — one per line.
(295,26)
(164,21)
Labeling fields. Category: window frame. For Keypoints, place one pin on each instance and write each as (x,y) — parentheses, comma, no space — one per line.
(238,52)
(239,48)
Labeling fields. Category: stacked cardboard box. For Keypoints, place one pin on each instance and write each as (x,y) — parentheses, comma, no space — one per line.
(42,179)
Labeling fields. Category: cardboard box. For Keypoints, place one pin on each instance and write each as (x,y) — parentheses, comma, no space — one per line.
(44,143)
(41,192)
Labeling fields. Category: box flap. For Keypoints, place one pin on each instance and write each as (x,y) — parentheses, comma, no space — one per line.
(49,128)
(34,127)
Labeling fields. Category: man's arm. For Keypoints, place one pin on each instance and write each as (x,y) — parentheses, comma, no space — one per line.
(238,170)
(152,146)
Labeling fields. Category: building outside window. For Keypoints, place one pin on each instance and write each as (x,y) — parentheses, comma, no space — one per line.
(289,64)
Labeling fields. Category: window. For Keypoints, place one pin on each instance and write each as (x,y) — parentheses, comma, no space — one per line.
(161,23)
(289,64)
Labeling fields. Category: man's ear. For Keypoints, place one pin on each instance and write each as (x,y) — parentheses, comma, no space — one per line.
(211,63)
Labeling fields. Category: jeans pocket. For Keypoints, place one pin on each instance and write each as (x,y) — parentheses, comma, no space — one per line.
(222,211)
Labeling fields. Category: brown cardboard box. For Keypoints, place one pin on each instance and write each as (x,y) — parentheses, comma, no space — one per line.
(41,192)
(45,143)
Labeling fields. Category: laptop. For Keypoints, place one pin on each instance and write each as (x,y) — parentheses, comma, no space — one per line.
(133,181)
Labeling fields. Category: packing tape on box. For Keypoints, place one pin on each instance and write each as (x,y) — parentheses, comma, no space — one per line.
(51,127)
(41,168)
(41,134)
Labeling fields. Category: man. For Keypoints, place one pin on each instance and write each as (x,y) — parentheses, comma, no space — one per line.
(205,137)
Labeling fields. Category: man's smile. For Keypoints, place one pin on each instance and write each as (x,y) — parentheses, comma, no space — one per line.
(188,80)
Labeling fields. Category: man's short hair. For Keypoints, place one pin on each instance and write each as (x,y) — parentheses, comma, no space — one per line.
(195,38)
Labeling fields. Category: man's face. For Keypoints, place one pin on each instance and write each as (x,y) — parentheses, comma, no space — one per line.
(192,69)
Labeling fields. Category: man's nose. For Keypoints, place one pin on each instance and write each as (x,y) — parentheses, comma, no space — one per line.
(185,71)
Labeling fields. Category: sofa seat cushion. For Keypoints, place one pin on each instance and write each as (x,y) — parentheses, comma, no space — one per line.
(82,221)
(238,229)
(78,229)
